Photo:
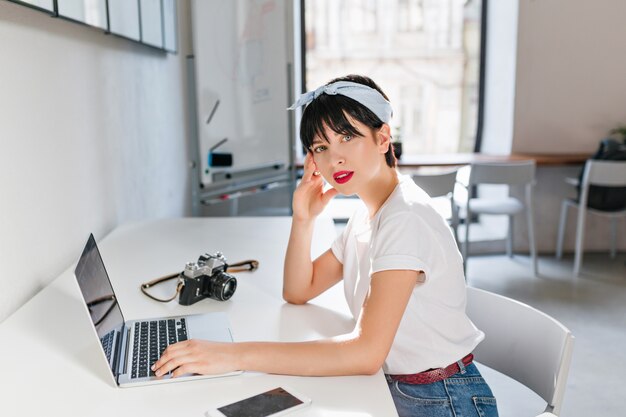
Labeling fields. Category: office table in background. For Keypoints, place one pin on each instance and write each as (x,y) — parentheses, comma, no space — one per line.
(455,159)
(413,161)
(50,361)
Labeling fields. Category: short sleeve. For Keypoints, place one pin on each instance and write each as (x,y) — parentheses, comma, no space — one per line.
(403,241)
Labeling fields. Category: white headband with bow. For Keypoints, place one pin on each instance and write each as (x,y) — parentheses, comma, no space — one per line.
(365,95)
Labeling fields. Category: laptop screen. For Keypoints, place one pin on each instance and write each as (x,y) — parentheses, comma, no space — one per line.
(97,291)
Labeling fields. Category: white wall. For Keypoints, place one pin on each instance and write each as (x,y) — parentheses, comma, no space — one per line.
(555,75)
(92,135)
(571,66)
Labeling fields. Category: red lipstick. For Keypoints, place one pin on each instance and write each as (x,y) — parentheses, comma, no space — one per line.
(342,177)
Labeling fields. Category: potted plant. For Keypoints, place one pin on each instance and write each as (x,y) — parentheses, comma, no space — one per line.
(621,131)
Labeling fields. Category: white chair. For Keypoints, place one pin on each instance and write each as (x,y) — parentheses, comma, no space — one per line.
(522,343)
(441,184)
(602,173)
(516,173)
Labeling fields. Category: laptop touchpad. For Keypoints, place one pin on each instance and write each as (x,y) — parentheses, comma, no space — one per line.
(210,326)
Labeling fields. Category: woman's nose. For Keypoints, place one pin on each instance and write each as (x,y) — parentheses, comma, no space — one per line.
(337,158)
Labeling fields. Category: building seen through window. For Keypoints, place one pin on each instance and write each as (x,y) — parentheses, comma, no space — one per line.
(425,54)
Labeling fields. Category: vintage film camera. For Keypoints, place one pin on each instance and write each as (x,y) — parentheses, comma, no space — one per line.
(206,278)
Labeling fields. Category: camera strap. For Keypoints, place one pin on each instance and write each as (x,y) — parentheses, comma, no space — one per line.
(249,265)
(179,286)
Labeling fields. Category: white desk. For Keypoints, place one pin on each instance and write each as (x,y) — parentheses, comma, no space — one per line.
(49,360)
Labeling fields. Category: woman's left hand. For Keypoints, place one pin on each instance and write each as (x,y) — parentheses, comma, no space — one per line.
(196,357)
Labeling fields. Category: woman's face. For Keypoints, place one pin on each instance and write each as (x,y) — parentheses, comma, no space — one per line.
(349,162)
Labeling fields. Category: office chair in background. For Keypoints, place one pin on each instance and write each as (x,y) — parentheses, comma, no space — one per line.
(441,184)
(600,173)
(517,173)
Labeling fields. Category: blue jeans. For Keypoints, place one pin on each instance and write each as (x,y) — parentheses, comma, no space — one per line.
(464,394)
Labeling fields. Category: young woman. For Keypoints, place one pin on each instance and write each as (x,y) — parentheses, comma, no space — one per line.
(402,272)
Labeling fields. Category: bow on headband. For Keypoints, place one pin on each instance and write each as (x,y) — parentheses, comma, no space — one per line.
(365,95)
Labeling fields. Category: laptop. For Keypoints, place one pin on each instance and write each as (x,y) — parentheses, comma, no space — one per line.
(131,347)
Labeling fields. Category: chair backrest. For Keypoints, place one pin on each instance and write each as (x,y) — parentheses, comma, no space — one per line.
(510,173)
(438,184)
(522,343)
(605,173)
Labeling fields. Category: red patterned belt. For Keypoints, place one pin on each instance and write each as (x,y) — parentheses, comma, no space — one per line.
(433,375)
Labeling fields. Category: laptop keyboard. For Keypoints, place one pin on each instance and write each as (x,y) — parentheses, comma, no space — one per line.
(151,339)
(107,344)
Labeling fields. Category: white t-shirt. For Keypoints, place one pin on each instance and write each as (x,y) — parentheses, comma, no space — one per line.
(407,233)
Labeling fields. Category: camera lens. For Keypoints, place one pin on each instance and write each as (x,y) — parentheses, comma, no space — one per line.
(229,288)
(223,286)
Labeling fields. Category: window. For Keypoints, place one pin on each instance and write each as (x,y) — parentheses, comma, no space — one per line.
(363,15)
(410,15)
(425,54)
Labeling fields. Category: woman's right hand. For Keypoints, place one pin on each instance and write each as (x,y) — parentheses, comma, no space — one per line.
(309,198)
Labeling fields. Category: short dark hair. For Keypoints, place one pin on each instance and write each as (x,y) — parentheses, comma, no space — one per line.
(331,110)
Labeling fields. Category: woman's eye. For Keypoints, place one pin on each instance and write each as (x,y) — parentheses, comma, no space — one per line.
(319,149)
(347,138)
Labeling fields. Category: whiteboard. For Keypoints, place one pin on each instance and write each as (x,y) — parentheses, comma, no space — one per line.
(240,50)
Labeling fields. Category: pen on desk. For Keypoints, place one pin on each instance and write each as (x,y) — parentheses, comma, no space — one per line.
(231,196)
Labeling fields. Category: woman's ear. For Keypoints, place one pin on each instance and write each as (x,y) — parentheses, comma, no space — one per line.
(384,138)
